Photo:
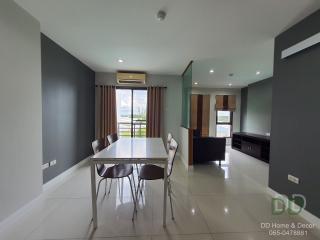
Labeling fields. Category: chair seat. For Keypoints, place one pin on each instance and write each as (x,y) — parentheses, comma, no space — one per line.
(151,172)
(118,171)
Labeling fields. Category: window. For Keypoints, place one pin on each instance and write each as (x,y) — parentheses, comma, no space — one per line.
(131,112)
(224,123)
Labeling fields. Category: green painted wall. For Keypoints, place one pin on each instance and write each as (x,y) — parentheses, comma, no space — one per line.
(256,107)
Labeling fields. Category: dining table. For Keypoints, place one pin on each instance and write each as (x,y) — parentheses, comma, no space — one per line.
(130,151)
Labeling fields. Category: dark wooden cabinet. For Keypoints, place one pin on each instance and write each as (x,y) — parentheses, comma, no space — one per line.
(254,145)
(251,149)
(200,113)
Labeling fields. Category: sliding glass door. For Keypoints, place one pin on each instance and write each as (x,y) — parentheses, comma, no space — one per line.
(131,112)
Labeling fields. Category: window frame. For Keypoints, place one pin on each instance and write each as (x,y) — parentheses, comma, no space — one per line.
(225,123)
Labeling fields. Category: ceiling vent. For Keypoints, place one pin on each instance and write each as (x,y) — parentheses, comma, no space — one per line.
(131,78)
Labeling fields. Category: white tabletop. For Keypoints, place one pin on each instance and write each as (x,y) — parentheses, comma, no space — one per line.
(134,148)
(130,150)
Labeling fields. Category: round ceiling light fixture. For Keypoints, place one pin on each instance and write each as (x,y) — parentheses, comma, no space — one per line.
(161,15)
(258,72)
(231,74)
(120,60)
(211,71)
(195,83)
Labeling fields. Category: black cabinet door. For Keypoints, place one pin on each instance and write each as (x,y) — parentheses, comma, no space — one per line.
(251,149)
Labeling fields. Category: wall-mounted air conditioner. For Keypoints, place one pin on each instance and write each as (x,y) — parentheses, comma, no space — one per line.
(131,78)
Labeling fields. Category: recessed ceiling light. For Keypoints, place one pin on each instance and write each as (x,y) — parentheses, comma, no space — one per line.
(120,61)
(193,211)
(211,71)
(258,72)
(226,210)
(230,84)
(195,83)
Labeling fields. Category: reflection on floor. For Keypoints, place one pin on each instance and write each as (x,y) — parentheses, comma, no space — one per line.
(209,203)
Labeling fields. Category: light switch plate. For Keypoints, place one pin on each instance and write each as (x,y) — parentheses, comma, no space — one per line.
(53,162)
(293,179)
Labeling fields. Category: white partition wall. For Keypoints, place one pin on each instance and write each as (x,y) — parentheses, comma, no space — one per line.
(184,146)
(20,108)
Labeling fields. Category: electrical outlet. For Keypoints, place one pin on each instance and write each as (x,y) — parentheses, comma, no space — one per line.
(53,162)
(293,179)
(44,166)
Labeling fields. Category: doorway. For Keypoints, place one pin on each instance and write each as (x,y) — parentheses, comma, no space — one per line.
(131,112)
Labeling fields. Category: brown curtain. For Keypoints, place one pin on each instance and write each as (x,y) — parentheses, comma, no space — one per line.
(154,111)
(106,111)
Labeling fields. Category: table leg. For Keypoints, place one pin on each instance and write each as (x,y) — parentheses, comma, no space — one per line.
(93,194)
(165,192)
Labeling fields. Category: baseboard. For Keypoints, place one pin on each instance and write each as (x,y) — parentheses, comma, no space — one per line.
(304,213)
(63,176)
(19,213)
(45,187)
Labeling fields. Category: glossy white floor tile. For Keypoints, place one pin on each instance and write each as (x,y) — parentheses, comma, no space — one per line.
(209,203)
(259,236)
(183,237)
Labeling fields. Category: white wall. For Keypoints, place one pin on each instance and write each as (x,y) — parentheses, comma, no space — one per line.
(20,108)
(173,98)
(184,146)
(213,92)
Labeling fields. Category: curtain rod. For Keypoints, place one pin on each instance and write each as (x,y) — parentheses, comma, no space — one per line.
(117,86)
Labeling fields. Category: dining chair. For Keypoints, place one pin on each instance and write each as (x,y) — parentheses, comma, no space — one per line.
(114,172)
(154,172)
(169,137)
(112,138)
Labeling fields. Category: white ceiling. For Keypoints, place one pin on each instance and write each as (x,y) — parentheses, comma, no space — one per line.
(231,35)
(242,65)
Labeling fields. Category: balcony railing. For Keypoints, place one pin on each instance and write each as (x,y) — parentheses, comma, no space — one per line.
(138,127)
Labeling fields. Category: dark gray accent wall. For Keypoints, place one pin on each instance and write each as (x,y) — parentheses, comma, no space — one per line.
(244,107)
(296,115)
(68,90)
(256,105)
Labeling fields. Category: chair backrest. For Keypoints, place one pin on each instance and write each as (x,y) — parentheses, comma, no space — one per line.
(112,138)
(97,146)
(169,137)
(171,154)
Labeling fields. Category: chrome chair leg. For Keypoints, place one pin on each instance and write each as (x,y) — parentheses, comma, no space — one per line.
(134,183)
(133,198)
(105,187)
(99,186)
(137,199)
(119,187)
(170,198)
(110,187)
(138,190)
(141,187)
(137,169)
